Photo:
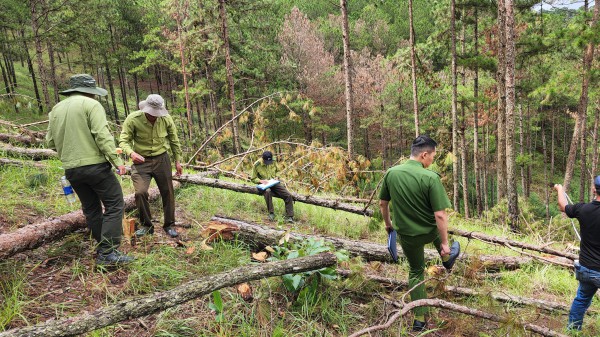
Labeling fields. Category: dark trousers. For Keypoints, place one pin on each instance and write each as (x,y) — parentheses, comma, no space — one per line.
(159,168)
(96,185)
(279,191)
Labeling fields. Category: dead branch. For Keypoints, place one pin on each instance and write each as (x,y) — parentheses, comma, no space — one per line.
(457,308)
(35,154)
(20,163)
(134,308)
(27,140)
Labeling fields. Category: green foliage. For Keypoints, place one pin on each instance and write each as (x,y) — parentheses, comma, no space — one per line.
(12,296)
(217,306)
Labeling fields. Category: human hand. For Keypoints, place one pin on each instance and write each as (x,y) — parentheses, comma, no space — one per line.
(264,181)
(389,229)
(178,168)
(445,249)
(121,170)
(137,159)
(558,187)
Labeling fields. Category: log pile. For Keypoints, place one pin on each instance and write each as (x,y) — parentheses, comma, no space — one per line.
(35,154)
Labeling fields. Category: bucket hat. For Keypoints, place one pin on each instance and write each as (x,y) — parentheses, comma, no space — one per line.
(154,105)
(83,83)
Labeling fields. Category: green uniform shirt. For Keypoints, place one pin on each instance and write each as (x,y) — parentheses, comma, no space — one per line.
(415,194)
(147,139)
(261,171)
(78,131)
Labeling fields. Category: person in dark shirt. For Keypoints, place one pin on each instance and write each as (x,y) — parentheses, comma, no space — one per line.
(587,270)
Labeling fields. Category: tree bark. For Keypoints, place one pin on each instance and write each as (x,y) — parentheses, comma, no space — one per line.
(348,78)
(478,199)
(413,62)
(511,174)
(228,65)
(501,85)
(307,199)
(27,140)
(32,73)
(53,71)
(455,166)
(188,107)
(149,304)
(35,154)
(20,163)
(112,91)
(595,144)
(36,235)
(588,58)
(265,236)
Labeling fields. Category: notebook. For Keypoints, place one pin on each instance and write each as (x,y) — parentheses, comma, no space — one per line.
(268,184)
(392,248)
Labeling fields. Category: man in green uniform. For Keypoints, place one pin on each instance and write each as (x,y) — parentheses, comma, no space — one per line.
(265,169)
(146,137)
(78,130)
(418,203)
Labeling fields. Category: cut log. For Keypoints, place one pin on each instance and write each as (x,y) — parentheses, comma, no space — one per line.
(307,199)
(27,140)
(262,235)
(462,291)
(20,163)
(35,154)
(147,305)
(33,236)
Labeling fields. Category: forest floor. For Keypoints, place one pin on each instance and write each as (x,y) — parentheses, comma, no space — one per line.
(60,279)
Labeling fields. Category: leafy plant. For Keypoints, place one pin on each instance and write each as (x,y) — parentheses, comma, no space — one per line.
(217,306)
(306,283)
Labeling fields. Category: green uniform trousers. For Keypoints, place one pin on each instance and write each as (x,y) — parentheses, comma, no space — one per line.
(96,185)
(414,250)
(159,168)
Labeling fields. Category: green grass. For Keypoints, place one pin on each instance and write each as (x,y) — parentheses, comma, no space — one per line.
(12,293)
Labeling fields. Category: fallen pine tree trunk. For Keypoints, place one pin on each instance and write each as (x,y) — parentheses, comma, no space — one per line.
(434,302)
(20,163)
(33,236)
(35,154)
(307,199)
(27,140)
(149,304)
(369,251)
(462,291)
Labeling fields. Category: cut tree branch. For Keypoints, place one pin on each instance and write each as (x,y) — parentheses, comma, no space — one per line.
(143,306)
(13,138)
(35,154)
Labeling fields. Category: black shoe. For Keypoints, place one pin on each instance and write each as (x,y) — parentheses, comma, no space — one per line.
(454,253)
(143,231)
(290,219)
(171,232)
(419,326)
(114,258)
(271,217)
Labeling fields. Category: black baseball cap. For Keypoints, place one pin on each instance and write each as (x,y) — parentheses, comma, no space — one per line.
(267,157)
(597,183)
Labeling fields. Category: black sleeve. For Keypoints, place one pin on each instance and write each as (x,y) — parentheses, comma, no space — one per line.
(573,210)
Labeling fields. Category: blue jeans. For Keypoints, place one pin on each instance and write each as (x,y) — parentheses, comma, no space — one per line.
(589,282)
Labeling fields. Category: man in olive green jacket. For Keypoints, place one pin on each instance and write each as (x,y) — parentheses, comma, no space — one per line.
(78,130)
(265,169)
(146,137)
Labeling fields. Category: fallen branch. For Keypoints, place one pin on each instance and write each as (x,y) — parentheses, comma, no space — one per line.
(35,154)
(462,291)
(307,199)
(27,140)
(134,308)
(33,236)
(369,251)
(512,243)
(457,308)
(37,134)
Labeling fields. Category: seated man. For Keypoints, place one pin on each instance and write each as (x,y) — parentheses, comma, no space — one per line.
(264,170)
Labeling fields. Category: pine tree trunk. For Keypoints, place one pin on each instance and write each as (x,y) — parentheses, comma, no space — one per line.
(35,26)
(348,79)
(136,89)
(463,131)
(228,65)
(595,144)
(7,85)
(112,91)
(188,106)
(545,163)
(413,66)
(455,166)
(521,145)
(36,90)
(478,201)
(501,85)
(511,174)
(123,90)
(53,71)
(486,145)
(588,58)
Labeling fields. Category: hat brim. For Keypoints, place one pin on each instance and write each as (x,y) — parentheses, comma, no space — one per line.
(94,91)
(268,162)
(145,107)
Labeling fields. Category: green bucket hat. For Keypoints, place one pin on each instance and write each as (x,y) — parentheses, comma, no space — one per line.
(84,83)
